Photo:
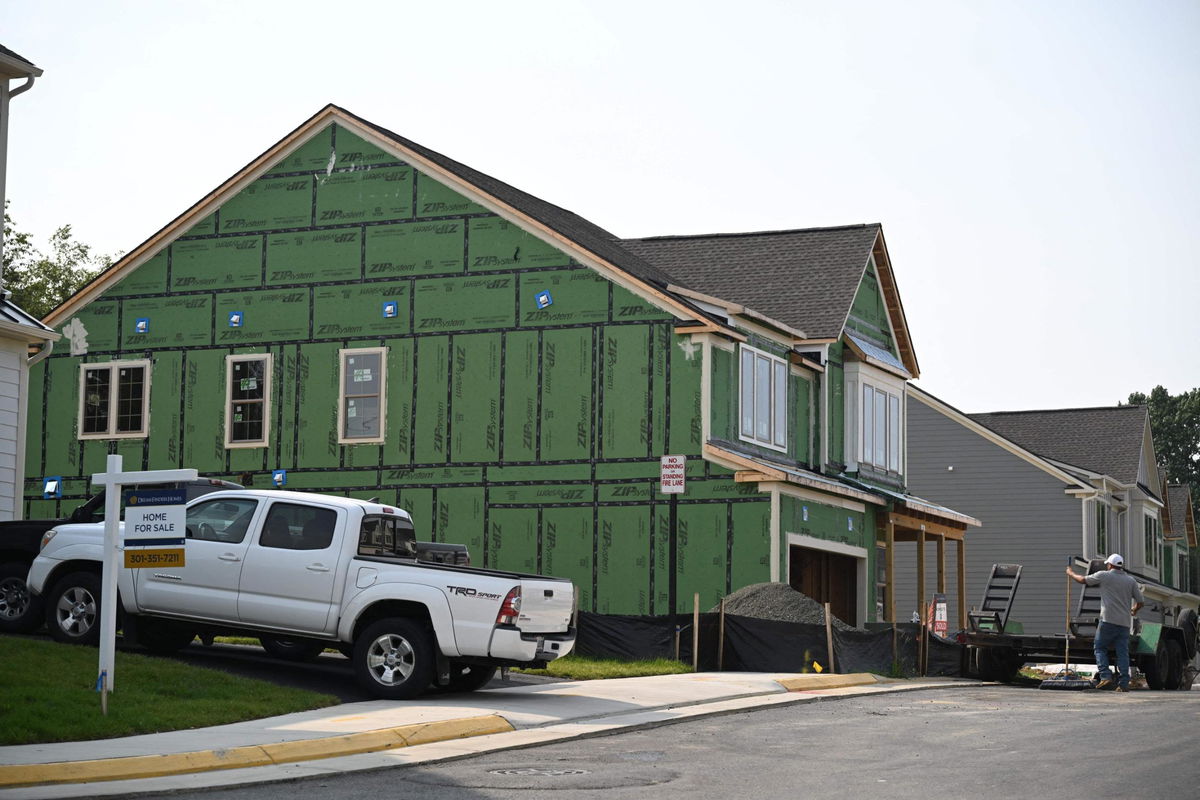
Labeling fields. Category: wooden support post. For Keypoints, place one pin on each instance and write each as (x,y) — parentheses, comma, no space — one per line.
(889,575)
(829,638)
(962,584)
(921,600)
(941,565)
(696,632)
(721,640)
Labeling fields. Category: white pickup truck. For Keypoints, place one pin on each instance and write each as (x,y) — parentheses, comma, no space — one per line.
(314,571)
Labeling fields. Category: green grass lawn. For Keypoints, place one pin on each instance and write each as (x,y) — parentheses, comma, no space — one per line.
(581,668)
(48,694)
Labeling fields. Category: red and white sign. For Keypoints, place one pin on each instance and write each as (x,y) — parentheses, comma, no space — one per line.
(671,481)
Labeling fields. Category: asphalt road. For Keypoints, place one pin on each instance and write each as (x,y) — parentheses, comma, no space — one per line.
(986,742)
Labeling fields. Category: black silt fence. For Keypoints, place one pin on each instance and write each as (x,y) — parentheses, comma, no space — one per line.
(759,645)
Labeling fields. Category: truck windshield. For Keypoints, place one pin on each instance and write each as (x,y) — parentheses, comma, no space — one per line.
(387,536)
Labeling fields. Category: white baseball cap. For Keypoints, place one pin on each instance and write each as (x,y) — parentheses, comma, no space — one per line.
(1115,559)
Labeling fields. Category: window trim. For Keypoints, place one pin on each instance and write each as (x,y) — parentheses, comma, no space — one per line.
(893,391)
(778,439)
(341,409)
(230,360)
(146,365)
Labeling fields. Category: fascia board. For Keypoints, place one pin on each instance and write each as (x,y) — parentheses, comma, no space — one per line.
(737,309)
(986,433)
(11,68)
(28,334)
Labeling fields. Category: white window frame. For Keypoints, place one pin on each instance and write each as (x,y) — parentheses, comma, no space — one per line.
(777,399)
(114,367)
(265,441)
(860,436)
(382,352)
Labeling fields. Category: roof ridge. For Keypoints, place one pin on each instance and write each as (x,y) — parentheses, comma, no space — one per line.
(738,234)
(1058,410)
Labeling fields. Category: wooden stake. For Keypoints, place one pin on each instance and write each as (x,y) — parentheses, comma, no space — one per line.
(829,637)
(696,632)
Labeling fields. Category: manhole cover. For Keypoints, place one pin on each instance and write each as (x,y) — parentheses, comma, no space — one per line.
(554,773)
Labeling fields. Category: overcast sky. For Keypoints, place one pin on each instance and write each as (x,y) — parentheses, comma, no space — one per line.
(1034,165)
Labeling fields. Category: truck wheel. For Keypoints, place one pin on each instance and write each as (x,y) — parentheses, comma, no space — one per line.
(20,611)
(1158,667)
(73,609)
(291,649)
(393,658)
(161,636)
(1174,665)
(468,677)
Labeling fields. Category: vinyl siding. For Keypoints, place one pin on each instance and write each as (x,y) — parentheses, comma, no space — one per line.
(1027,519)
(12,354)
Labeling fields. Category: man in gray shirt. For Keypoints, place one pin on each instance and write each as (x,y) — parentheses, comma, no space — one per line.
(1120,600)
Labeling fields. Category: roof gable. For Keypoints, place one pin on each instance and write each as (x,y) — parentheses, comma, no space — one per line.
(1107,441)
(806,278)
(553,225)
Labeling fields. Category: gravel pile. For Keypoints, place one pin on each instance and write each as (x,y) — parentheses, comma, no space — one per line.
(779,602)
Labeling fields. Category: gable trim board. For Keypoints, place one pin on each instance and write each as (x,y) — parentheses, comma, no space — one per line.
(332,114)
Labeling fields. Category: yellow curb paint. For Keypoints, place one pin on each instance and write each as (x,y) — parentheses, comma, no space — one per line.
(115,769)
(812,683)
(454,729)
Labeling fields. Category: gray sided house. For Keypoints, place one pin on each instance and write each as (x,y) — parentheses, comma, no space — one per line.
(1180,555)
(1047,486)
(355,313)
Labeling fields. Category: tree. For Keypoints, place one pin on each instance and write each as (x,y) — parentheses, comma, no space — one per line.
(39,282)
(1175,420)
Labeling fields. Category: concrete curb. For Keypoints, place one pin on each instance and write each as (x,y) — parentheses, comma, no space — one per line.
(114,769)
(814,683)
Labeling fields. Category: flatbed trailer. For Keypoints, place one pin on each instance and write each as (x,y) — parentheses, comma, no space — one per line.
(996,648)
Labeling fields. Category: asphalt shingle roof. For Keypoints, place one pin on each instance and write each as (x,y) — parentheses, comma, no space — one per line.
(1107,440)
(17,56)
(805,278)
(587,234)
(1179,497)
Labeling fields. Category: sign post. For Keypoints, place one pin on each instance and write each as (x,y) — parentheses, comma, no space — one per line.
(672,481)
(112,480)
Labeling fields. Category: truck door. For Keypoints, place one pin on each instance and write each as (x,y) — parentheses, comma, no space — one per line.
(291,570)
(207,585)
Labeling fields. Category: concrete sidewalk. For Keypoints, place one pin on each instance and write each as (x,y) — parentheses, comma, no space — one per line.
(376,734)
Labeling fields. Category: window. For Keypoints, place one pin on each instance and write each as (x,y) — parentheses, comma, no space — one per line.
(1101,528)
(290,526)
(361,402)
(881,433)
(1152,541)
(1182,578)
(114,400)
(387,536)
(763,406)
(247,400)
(220,520)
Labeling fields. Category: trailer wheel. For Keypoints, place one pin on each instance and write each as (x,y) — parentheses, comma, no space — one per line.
(1188,624)
(393,658)
(1174,665)
(998,664)
(1157,667)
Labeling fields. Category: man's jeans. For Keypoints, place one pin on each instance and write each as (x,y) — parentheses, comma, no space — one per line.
(1110,636)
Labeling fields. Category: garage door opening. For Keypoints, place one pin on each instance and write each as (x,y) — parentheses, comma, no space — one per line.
(827,578)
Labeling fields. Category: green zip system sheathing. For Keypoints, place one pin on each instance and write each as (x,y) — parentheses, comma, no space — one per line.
(528,431)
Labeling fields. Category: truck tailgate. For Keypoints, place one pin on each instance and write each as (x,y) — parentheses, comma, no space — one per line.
(546,606)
